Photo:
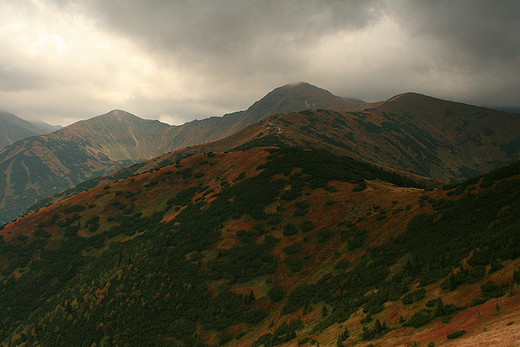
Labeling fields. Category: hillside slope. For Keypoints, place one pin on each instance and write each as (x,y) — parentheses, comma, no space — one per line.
(118,135)
(288,98)
(35,167)
(411,133)
(13,128)
(429,140)
(38,167)
(266,247)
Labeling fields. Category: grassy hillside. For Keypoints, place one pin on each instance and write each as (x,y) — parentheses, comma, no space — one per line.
(33,169)
(36,167)
(429,139)
(265,247)
(412,133)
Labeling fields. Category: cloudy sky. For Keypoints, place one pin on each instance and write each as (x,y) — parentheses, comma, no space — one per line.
(178,60)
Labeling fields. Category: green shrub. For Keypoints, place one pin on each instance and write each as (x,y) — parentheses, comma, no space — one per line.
(456,334)
(276,294)
(342,265)
(414,296)
(478,301)
(71,231)
(40,232)
(74,208)
(300,212)
(324,234)
(306,226)
(295,248)
(516,275)
(295,265)
(289,229)
(419,319)
(357,240)
(491,289)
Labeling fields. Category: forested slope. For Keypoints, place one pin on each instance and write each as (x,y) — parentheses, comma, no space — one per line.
(266,246)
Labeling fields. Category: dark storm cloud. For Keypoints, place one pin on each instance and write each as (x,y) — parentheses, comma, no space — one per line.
(477,42)
(485,29)
(233,35)
(184,59)
(222,27)
(258,41)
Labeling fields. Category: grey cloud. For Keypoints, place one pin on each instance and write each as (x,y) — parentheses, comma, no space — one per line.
(233,43)
(227,35)
(221,56)
(487,29)
(222,27)
(474,43)
(16,79)
(264,42)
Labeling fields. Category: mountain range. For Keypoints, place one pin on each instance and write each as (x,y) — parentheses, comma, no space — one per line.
(376,224)
(13,128)
(36,167)
(412,133)
(430,139)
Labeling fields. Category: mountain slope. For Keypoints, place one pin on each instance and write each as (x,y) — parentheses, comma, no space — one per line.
(103,144)
(430,140)
(411,133)
(33,168)
(13,128)
(288,98)
(119,135)
(44,127)
(266,247)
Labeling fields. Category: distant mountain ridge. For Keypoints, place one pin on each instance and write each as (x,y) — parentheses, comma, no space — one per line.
(34,168)
(47,128)
(430,138)
(288,98)
(13,128)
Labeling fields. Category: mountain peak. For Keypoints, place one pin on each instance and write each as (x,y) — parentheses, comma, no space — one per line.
(300,87)
(408,96)
(298,97)
(120,114)
(110,119)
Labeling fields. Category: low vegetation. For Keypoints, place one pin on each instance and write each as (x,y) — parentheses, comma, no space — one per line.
(195,254)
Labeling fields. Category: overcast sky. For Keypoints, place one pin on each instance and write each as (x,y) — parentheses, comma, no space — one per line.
(178,60)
